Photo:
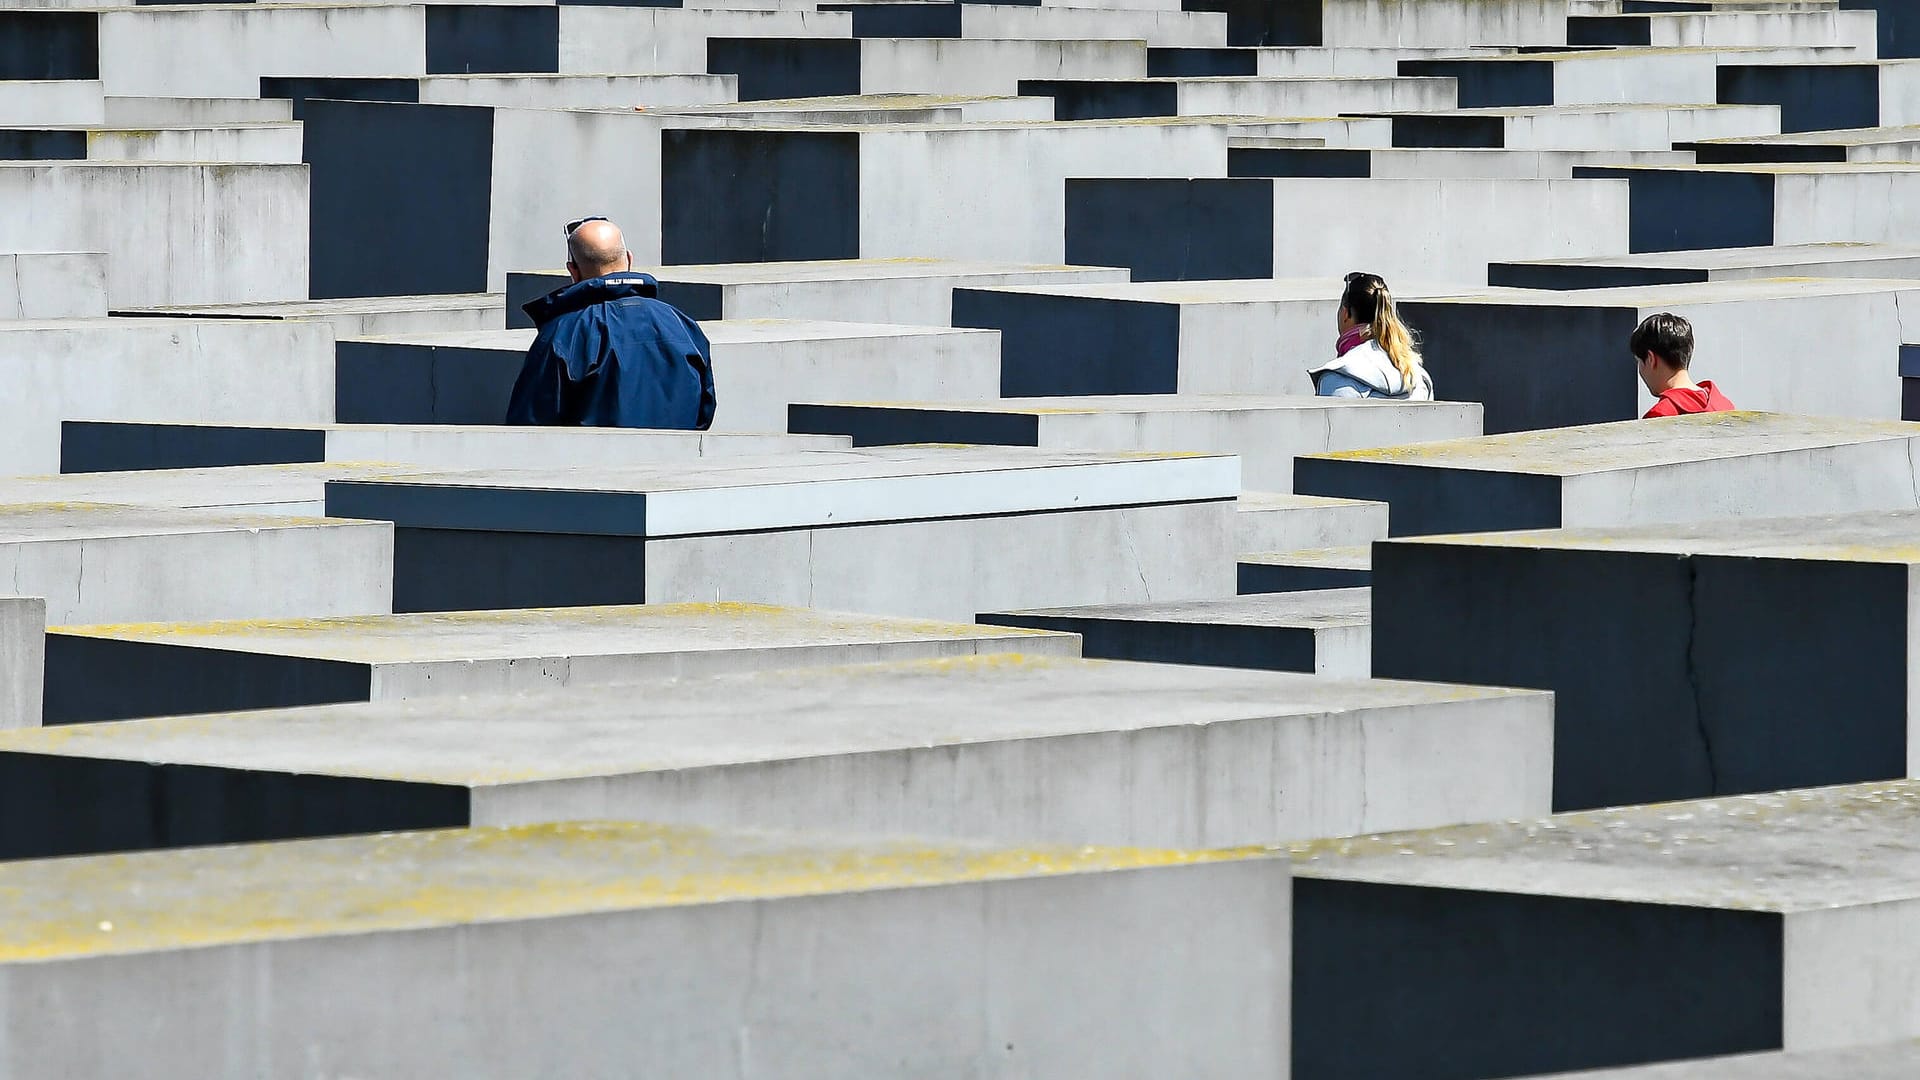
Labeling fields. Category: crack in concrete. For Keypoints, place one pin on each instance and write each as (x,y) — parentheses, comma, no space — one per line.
(1693,673)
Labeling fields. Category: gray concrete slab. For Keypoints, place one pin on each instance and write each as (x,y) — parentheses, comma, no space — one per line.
(128,670)
(1687,660)
(760,366)
(1202,227)
(1717,927)
(1751,338)
(1163,337)
(1895,142)
(903,291)
(1712,264)
(298,489)
(1714,206)
(851,530)
(1325,632)
(97,563)
(1578,127)
(256,142)
(1305,570)
(157,219)
(23,625)
(134,111)
(113,446)
(1890,1061)
(1686,468)
(1046,749)
(154,369)
(414,953)
(363,316)
(1272,522)
(1267,432)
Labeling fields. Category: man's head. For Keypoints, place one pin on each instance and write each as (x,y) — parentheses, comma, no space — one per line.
(1663,344)
(596,248)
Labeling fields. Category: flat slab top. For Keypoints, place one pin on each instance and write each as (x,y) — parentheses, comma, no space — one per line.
(1235,291)
(1868,136)
(226,486)
(1781,255)
(1308,610)
(1837,168)
(31,523)
(723,720)
(1635,444)
(1550,111)
(352,305)
(771,273)
(1134,404)
(1268,502)
(1657,297)
(1787,851)
(1886,536)
(1359,557)
(718,331)
(541,632)
(1894,1061)
(61,909)
(795,490)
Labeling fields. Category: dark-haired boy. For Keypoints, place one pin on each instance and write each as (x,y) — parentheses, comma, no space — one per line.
(1663,344)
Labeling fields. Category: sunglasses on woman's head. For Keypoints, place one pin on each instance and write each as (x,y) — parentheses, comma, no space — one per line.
(577,222)
(1359,275)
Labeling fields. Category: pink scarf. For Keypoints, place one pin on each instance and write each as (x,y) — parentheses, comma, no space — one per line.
(1351,340)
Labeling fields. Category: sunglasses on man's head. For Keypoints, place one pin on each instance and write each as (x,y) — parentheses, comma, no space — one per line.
(577,222)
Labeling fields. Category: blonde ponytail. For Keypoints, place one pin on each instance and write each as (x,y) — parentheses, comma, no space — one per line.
(1394,337)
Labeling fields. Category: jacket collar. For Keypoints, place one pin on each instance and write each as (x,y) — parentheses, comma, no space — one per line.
(585,294)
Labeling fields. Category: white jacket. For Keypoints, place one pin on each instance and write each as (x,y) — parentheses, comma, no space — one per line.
(1370,364)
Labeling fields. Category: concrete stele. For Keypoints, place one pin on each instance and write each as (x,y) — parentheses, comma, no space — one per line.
(116,672)
(1066,750)
(670,945)
(1762,922)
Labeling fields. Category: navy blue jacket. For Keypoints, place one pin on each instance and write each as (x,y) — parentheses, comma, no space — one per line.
(609,354)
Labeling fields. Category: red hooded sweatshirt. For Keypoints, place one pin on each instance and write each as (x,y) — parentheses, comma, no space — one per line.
(1690,399)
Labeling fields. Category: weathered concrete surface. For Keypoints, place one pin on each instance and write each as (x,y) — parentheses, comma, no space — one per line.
(96,563)
(171,228)
(53,285)
(1740,924)
(760,366)
(122,671)
(23,624)
(1267,432)
(1325,632)
(678,946)
(903,291)
(1270,522)
(1703,467)
(1890,1061)
(1687,660)
(111,446)
(852,530)
(1306,570)
(1065,750)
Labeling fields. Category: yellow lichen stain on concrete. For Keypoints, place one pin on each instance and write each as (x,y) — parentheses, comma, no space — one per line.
(198,898)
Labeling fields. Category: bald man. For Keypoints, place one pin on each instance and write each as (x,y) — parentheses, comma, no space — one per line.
(609,352)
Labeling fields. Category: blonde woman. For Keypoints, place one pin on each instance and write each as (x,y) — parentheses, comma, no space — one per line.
(1375,355)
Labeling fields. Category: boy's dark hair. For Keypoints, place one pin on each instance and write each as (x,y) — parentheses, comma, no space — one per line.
(1667,334)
